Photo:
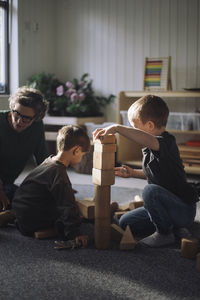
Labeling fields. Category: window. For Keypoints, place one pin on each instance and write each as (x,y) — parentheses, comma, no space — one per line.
(3,46)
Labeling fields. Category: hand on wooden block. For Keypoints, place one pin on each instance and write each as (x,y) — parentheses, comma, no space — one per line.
(105,139)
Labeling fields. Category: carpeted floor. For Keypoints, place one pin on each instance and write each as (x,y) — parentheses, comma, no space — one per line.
(32,269)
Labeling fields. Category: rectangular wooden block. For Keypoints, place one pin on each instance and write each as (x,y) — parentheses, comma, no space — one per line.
(106,139)
(103,160)
(45,234)
(120,213)
(103,177)
(105,147)
(86,208)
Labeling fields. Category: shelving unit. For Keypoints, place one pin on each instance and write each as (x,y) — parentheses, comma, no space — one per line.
(129,152)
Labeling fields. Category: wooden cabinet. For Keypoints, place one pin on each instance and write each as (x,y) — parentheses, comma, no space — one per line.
(130,153)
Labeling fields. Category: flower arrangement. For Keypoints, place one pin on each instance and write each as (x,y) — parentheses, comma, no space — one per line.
(72,98)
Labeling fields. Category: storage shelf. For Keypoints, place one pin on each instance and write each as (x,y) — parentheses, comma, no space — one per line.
(128,151)
(184,131)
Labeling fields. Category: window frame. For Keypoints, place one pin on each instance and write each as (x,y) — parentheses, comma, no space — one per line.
(4,4)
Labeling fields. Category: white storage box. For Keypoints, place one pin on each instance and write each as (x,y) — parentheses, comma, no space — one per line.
(183,121)
(124,116)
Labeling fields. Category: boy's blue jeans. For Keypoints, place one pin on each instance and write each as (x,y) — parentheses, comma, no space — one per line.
(162,211)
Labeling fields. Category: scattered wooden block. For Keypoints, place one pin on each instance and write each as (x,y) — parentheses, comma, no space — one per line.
(119,213)
(116,232)
(86,208)
(105,147)
(124,207)
(189,248)
(127,242)
(138,202)
(103,177)
(45,233)
(132,205)
(198,262)
(105,139)
(103,161)
(127,207)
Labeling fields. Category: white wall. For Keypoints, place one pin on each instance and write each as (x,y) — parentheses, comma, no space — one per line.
(109,39)
(36,27)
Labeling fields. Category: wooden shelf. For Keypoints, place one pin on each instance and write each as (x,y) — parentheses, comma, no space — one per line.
(184,131)
(129,152)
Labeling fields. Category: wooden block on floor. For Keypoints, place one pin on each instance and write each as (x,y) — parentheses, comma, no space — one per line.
(86,208)
(189,248)
(127,242)
(198,262)
(132,205)
(116,232)
(105,147)
(105,139)
(124,207)
(103,177)
(103,160)
(119,213)
(138,202)
(45,233)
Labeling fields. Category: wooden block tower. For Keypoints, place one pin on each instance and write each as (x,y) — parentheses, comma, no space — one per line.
(103,177)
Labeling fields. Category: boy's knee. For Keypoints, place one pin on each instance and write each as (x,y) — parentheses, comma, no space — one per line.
(149,193)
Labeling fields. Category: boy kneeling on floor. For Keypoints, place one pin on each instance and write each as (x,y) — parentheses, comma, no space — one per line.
(45,198)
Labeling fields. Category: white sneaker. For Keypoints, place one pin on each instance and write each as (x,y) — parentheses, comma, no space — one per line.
(158,240)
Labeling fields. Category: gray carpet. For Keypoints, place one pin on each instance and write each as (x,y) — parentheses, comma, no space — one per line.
(33,270)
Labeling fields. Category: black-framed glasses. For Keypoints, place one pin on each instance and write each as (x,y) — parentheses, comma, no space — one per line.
(25,119)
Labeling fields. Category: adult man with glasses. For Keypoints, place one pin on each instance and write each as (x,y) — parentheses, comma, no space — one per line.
(21,136)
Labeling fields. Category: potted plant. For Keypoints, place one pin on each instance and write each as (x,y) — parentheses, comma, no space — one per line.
(74,98)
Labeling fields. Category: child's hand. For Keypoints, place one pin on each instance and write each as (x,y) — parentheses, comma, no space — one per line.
(124,171)
(104,131)
(82,240)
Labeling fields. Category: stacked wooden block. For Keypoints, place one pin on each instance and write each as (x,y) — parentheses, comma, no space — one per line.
(103,177)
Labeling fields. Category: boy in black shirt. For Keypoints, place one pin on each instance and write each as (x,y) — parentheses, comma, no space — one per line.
(169,201)
(45,198)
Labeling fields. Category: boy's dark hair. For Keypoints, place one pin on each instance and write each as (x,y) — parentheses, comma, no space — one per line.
(149,108)
(31,98)
(70,136)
